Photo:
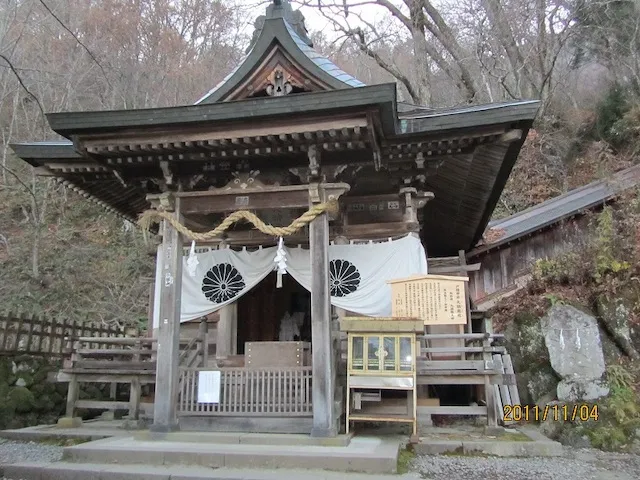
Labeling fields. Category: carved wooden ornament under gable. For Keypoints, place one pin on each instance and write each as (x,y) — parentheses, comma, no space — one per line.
(279,82)
(278,75)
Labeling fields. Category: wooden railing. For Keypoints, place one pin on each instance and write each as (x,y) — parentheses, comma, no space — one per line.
(37,335)
(111,354)
(196,351)
(264,392)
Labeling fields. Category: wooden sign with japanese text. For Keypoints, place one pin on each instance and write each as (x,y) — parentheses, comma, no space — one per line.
(436,299)
(373,209)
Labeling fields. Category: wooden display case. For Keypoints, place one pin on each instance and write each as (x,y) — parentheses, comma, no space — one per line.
(381,357)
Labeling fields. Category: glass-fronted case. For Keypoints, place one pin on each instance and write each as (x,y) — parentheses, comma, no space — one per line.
(382,353)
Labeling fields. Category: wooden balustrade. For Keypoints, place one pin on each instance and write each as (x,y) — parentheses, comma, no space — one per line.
(264,392)
(37,335)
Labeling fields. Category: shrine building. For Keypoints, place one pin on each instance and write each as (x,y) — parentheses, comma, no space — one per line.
(391,191)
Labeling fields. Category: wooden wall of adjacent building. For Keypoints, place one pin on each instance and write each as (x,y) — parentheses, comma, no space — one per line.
(507,268)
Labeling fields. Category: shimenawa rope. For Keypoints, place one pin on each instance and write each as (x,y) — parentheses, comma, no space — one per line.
(150,216)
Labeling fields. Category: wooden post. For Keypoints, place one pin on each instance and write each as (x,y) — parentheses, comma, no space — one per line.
(134,398)
(204,341)
(323,383)
(490,397)
(152,299)
(463,263)
(72,396)
(225,339)
(167,366)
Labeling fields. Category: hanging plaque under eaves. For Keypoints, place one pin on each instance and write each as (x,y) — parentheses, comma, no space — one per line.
(436,299)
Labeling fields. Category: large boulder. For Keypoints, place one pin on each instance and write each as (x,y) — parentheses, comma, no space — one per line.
(524,341)
(572,339)
(614,313)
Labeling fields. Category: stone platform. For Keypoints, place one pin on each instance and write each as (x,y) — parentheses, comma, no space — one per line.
(360,454)
(520,442)
(70,471)
(90,430)
(371,454)
(216,456)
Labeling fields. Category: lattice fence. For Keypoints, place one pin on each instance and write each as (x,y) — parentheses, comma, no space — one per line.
(39,335)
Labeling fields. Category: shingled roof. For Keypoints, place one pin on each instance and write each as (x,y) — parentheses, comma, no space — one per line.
(554,210)
(283,27)
(462,155)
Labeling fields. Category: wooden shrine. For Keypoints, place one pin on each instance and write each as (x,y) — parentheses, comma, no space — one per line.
(285,132)
(381,356)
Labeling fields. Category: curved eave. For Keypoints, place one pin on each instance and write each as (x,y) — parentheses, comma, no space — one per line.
(380,97)
(467,185)
(60,161)
(277,30)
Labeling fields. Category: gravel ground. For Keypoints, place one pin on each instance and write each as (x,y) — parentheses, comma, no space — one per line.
(584,464)
(15,452)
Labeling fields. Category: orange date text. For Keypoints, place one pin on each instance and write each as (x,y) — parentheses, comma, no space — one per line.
(562,413)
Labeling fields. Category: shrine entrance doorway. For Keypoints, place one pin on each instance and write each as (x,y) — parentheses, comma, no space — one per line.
(268,313)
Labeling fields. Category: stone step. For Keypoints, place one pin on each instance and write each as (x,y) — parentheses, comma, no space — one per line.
(362,454)
(97,471)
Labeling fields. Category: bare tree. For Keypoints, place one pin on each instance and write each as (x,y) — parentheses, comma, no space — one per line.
(433,41)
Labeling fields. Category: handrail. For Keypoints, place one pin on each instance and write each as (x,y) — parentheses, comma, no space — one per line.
(187,349)
(461,336)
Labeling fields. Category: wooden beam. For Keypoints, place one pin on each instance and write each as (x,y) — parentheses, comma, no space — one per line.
(242,200)
(265,198)
(379,230)
(325,423)
(167,371)
(225,328)
(366,231)
(107,143)
(373,138)
(510,136)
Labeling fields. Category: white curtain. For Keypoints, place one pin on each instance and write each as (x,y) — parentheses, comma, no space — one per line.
(357,275)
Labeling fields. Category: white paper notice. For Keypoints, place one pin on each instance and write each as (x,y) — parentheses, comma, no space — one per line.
(209,387)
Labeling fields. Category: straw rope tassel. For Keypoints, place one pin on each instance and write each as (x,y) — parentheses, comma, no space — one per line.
(150,216)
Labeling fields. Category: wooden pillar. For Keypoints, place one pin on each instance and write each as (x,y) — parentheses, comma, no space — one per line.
(167,368)
(226,329)
(72,396)
(150,310)
(203,335)
(323,382)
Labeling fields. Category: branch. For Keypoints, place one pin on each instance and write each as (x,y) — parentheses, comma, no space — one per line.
(24,87)
(35,200)
(77,40)
(358,37)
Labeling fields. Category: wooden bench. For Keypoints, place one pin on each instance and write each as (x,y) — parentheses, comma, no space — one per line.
(115,360)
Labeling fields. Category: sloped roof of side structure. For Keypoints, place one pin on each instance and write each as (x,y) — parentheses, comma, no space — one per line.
(560,208)
(280,32)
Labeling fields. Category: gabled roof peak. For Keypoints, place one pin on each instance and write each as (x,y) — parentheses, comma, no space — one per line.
(281,9)
(280,59)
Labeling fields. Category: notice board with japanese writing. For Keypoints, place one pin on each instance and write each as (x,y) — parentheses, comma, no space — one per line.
(436,299)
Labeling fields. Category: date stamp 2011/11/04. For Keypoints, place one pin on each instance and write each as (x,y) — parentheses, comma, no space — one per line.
(563,413)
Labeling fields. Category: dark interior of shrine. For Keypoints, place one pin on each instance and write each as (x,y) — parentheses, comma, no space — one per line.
(261,310)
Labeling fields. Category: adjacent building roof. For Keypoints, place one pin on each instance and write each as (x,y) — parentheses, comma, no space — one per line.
(552,211)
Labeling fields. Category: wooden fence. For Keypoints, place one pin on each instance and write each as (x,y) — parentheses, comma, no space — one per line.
(38,335)
(262,392)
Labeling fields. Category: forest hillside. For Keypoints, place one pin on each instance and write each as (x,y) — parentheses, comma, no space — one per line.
(61,255)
